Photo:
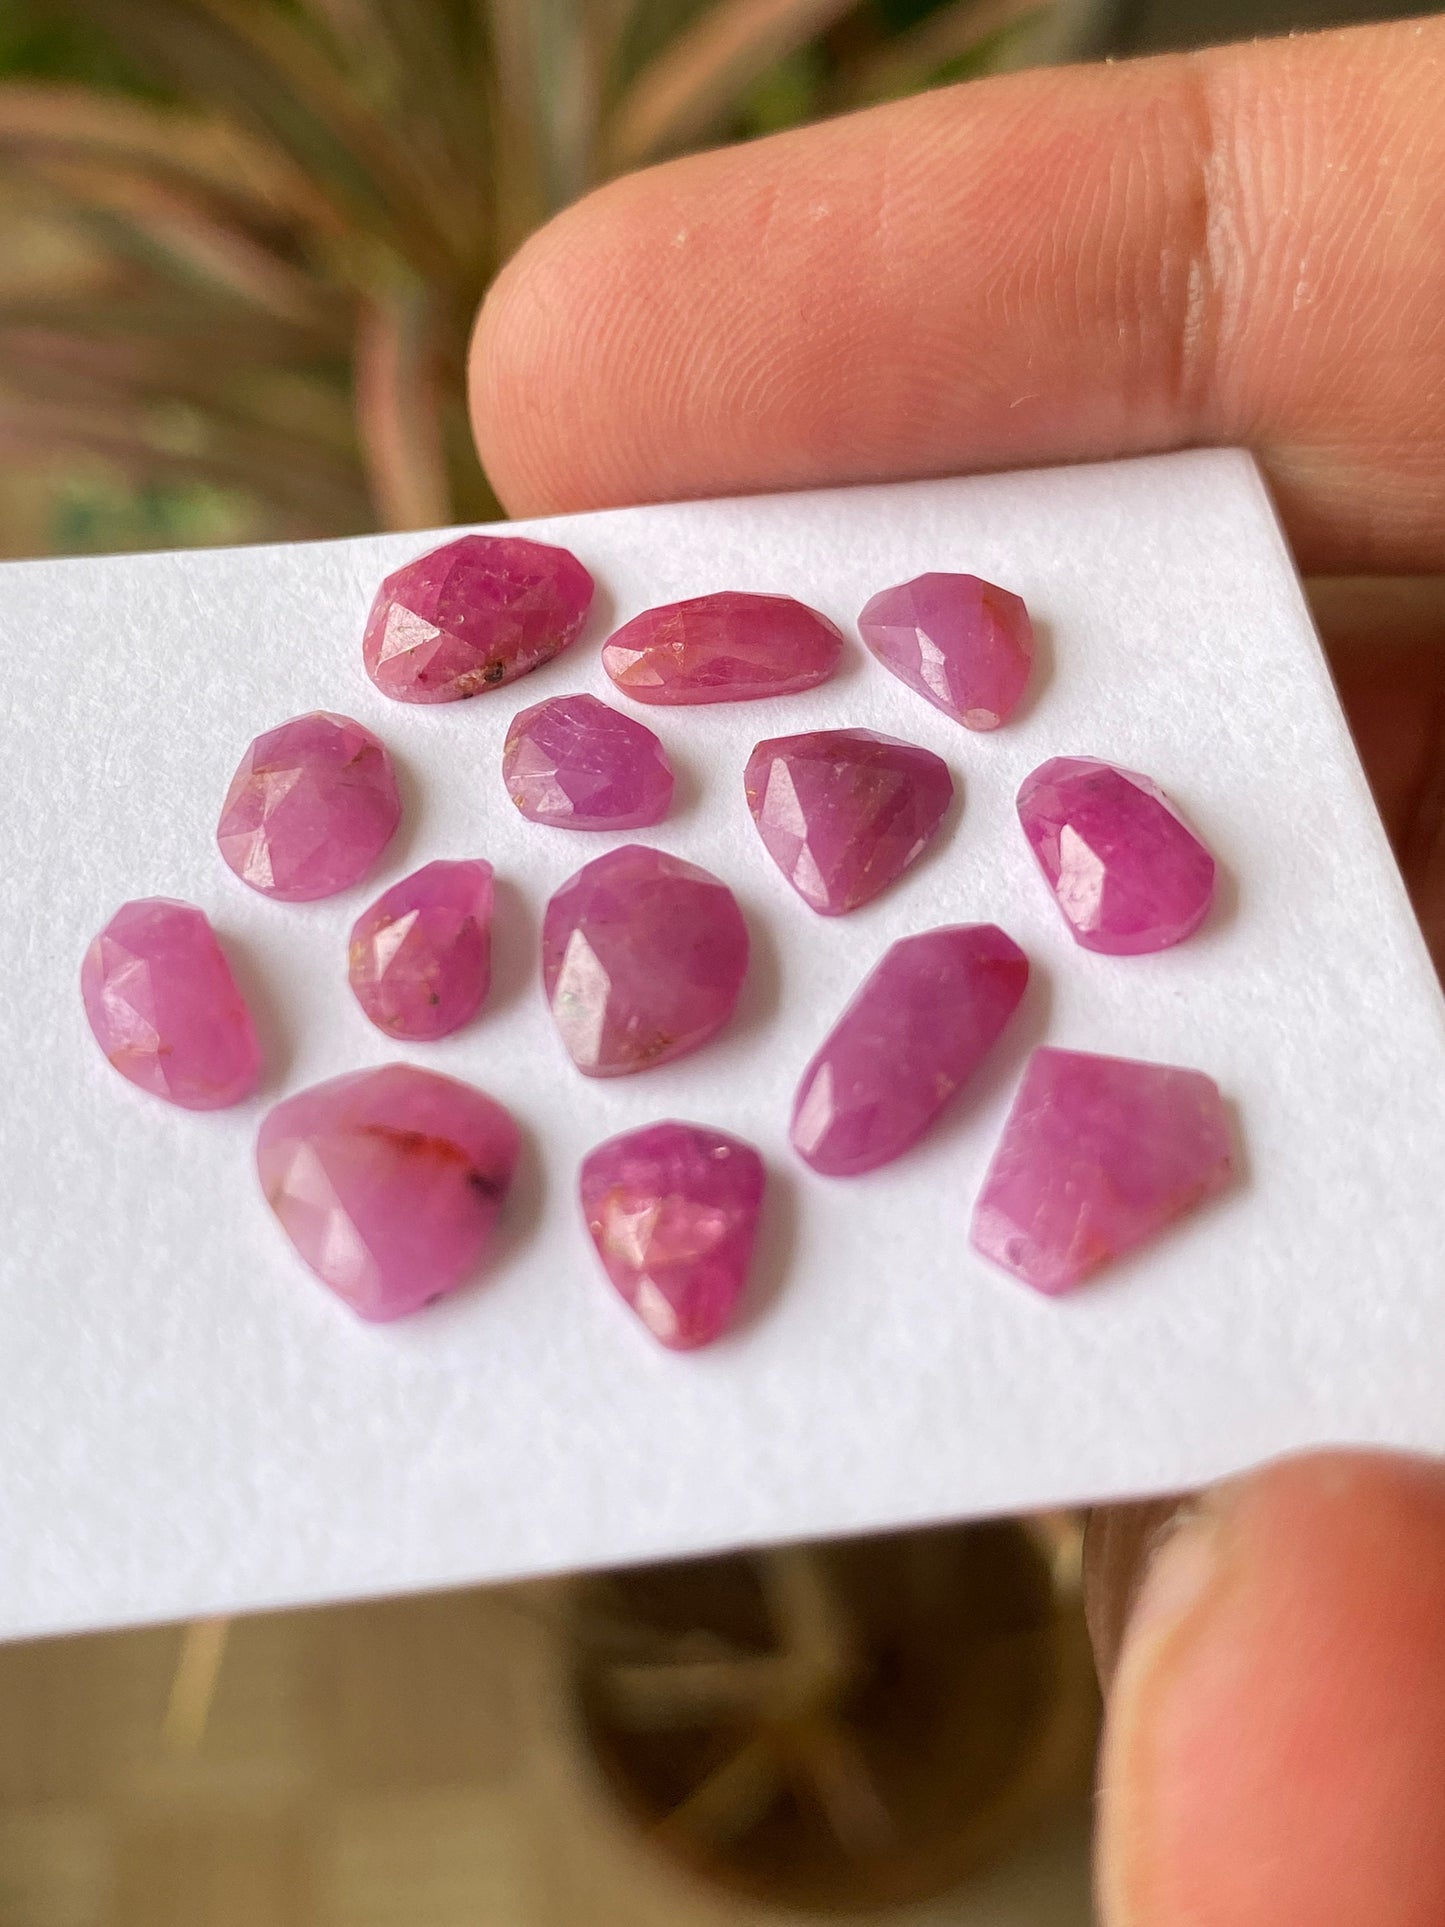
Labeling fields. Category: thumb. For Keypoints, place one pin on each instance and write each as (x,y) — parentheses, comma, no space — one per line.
(1274,1752)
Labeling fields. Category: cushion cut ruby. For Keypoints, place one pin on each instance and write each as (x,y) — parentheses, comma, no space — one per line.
(844,812)
(673,1211)
(388,1182)
(474,614)
(730,647)
(311,808)
(1099,1155)
(643,957)
(166,1009)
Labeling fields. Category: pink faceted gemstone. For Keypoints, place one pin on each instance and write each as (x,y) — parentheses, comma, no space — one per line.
(1128,873)
(1098,1156)
(311,808)
(673,1211)
(843,812)
(963,643)
(643,957)
(472,615)
(388,1182)
(165,1008)
(574,762)
(911,1038)
(421,956)
(724,648)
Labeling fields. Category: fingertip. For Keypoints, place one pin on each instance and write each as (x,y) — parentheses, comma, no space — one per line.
(1275,1744)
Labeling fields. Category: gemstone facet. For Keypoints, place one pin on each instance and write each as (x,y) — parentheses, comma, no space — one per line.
(474,614)
(421,956)
(166,1009)
(643,957)
(726,648)
(916,1031)
(965,644)
(1128,873)
(311,808)
(388,1182)
(1098,1156)
(843,812)
(673,1211)
(574,762)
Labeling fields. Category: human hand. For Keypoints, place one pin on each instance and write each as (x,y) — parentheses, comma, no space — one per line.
(1245,246)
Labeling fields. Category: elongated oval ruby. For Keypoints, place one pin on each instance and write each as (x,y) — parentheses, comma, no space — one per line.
(731,647)
(643,957)
(472,615)
(311,808)
(1126,870)
(844,812)
(576,763)
(1098,1156)
(421,956)
(963,643)
(388,1182)
(915,1033)
(166,1009)
(673,1211)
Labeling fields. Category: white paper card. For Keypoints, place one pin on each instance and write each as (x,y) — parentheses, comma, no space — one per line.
(190,1424)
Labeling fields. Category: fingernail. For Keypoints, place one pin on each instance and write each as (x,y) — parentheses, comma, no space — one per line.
(1179,1572)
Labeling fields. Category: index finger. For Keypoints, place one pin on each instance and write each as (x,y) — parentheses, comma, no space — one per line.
(1246,245)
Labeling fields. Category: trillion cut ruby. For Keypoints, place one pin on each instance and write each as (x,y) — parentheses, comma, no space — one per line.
(673,1211)
(421,956)
(643,957)
(165,1008)
(843,812)
(1128,873)
(472,615)
(574,762)
(962,642)
(911,1038)
(1098,1156)
(388,1182)
(726,648)
(311,808)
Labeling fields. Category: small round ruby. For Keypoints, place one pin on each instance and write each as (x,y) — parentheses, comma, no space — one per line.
(573,762)
(421,956)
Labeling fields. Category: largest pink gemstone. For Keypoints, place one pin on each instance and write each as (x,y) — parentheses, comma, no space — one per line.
(912,1037)
(673,1211)
(1098,1156)
(388,1182)
(311,808)
(964,643)
(472,615)
(643,957)
(843,812)
(165,1008)
(1128,873)
(726,648)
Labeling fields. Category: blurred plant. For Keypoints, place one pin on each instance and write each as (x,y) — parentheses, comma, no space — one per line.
(246,238)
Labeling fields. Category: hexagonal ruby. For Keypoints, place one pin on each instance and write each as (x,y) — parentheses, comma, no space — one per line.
(844,812)
(1099,1155)
(421,957)
(730,647)
(166,1009)
(474,614)
(917,1030)
(576,763)
(1126,870)
(388,1182)
(643,957)
(963,643)
(673,1211)
(311,808)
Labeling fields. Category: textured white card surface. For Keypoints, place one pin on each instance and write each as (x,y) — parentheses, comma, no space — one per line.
(189,1423)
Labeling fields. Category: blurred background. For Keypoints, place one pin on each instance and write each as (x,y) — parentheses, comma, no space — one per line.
(241,244)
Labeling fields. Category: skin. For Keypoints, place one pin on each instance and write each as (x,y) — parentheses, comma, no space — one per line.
(1241,246)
